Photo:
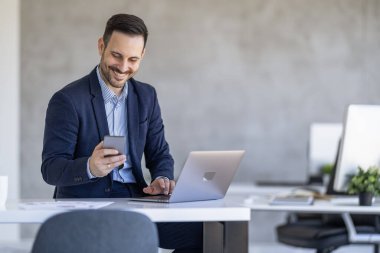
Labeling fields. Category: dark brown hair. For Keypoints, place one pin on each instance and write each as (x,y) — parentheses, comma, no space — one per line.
(125,23)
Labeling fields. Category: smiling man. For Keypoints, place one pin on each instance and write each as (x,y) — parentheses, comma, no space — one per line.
(109,101)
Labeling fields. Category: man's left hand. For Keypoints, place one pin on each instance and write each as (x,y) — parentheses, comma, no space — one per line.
(160,185)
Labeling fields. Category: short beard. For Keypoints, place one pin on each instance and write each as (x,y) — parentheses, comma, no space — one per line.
(106,75)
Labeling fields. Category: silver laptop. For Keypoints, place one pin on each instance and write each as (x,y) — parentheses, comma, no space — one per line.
(206,175)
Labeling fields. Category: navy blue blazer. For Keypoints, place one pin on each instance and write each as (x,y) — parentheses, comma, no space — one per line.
(76,122)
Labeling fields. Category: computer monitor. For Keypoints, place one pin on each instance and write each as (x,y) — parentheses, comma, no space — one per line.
(360,143)
(323,145)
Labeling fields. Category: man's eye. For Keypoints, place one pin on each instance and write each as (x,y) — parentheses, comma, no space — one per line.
(116,55)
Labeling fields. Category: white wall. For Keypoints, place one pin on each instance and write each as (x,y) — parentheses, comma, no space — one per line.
(9,104)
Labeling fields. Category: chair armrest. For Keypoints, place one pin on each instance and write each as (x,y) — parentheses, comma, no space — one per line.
(355,237)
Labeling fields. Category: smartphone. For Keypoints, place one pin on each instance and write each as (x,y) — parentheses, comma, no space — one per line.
(115,142)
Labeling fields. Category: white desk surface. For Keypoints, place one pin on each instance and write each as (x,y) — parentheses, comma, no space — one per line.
(258,197)
(236,206)
(214,210)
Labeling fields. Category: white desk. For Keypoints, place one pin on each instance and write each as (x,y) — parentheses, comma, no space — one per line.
(258,199)
(225,221)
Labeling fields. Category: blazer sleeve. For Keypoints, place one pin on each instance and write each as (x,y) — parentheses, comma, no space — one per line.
(157,154)
(59,165)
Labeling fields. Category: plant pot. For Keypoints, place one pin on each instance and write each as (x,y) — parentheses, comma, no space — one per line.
(365,199)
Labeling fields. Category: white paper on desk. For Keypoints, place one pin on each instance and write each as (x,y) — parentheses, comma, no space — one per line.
(63,205)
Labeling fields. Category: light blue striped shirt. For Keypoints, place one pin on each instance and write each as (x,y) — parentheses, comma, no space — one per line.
(116,112)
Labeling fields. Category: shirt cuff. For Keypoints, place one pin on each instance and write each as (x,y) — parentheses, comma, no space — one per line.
(90,176)
(161,177)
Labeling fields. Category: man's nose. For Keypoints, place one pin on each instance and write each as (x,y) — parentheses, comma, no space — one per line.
(125,66)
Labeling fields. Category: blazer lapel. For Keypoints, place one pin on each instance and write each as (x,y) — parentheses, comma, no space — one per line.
(98,105)
(133,121)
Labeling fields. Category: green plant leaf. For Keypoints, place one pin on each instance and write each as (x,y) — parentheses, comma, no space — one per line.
(365,181)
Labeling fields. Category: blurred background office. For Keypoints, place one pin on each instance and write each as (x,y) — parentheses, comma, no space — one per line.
(243,74)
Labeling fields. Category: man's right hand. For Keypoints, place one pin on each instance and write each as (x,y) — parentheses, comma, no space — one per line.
(103,161)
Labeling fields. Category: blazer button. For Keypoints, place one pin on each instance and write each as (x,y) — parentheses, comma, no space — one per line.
(107,190)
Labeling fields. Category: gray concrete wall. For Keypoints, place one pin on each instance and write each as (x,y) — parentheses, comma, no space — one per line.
(243,74)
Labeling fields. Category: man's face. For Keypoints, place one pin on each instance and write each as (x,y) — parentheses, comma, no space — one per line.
(121,59)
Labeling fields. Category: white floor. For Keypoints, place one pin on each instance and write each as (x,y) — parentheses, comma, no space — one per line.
(25,247)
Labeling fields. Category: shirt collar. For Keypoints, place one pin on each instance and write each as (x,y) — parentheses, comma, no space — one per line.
(107,93)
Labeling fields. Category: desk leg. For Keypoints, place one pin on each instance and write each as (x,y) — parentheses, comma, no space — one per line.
(236,237)
(225,237)
(213,237)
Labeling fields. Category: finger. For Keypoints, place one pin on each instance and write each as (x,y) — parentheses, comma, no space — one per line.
(110,152)
(111,166)
(172,186)
(161,183)
(99,146)
(148,190)
(154,188)
(115,159)
(167,186)
(116,164)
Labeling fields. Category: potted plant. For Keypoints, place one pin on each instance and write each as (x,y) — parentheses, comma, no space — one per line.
(366,183)
(326,171)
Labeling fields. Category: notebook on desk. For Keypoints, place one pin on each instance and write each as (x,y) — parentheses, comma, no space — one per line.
(206,175)
(292,200)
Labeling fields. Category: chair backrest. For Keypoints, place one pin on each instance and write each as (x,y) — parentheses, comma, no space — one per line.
(97,231)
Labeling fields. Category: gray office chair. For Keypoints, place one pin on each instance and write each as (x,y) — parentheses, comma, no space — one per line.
(97,231)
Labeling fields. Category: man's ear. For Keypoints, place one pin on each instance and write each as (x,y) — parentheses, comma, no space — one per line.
(143,53)
(101,46)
